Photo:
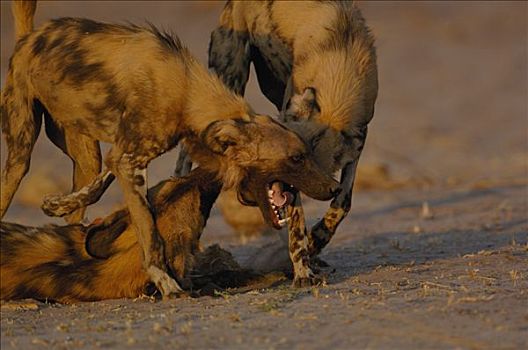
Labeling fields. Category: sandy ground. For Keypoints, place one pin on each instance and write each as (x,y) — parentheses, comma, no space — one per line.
(452,109)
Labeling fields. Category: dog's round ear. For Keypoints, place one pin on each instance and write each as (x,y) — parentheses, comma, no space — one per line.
(220,135)
(302,106)
(100,237)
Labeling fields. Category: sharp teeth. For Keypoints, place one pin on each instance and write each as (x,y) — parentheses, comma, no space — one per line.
(284,221)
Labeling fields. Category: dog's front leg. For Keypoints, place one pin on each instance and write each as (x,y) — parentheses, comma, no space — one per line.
(323,231)
(133,181)
(230,56)
(298,246)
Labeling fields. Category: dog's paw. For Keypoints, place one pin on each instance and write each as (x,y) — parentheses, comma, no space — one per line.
(301,282)
(305,277)
(168,286)
(52,205)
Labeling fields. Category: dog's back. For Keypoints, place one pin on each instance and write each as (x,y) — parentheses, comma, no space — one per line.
(74,55)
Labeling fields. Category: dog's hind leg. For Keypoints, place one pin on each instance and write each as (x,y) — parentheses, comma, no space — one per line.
(85,154)
(61,205)
(21,122)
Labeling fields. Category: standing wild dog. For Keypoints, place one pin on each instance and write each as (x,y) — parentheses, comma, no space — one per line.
(316,62)
(103,261)
(141,91)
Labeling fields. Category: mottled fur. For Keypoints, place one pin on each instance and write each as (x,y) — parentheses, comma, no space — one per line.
(316,61)
(142,91)
(104,260)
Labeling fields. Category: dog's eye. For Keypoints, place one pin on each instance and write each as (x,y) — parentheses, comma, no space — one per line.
(297,159)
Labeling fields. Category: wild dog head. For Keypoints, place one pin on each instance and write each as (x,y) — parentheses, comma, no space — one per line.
(332,146)
(264,161)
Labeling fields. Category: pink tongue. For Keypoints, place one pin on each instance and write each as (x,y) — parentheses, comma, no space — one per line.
(280,198)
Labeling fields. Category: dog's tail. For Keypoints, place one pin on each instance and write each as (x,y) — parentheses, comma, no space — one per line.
(23,12)
(31,259)
(51,262)
(43,262)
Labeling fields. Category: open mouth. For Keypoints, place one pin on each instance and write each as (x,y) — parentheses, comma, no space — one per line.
(280,195)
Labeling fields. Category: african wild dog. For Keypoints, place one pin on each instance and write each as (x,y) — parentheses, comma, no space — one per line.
(316,62)
(141,91)
(103,261)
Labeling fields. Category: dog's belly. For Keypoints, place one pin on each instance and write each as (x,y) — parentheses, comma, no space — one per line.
(84,111)
(80,120)
(100,130)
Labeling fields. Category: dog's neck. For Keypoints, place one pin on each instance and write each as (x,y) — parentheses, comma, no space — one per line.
(344,78)
(209,100)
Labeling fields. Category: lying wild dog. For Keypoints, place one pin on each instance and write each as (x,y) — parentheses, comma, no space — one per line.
(141,91)
(104,260)
(316,62)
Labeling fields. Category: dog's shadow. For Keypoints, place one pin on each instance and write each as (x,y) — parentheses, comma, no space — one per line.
(353,257)
(404,248)
(397,248)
